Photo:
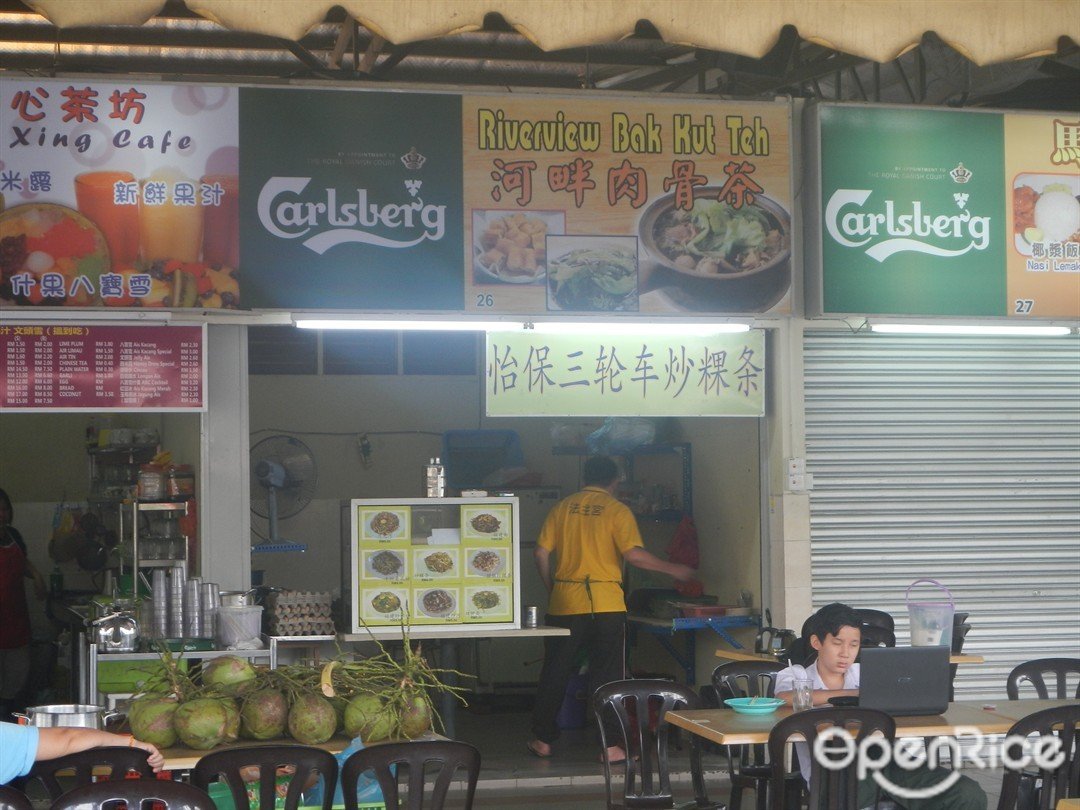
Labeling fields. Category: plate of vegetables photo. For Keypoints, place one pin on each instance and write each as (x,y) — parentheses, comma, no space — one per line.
(593,274)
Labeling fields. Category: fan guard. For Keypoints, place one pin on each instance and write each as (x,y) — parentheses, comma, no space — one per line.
(295,488)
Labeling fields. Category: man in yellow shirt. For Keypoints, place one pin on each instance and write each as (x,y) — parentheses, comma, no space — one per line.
(590,534)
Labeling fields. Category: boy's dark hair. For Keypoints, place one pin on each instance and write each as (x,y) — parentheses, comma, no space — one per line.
(599,471)
(831,618)
(11,510)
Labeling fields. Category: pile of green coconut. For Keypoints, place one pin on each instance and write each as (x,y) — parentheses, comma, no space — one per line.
(375,698)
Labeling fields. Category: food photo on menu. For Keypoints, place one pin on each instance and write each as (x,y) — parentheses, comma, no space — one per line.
(510,247)
(593,274)
(435,564)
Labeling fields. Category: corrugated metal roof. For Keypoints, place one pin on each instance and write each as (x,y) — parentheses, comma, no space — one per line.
(176,43)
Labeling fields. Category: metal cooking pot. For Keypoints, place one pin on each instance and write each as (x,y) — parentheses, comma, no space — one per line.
(238,598)
(76,715)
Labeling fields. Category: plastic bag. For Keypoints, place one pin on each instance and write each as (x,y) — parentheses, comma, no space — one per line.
(367,786)
(683,547)
(621,434)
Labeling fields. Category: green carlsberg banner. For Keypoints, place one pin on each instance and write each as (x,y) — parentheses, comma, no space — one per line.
(913,211)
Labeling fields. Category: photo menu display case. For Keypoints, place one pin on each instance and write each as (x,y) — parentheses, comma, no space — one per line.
(433,562)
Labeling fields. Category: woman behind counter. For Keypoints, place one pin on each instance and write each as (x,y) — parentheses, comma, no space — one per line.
(15,569)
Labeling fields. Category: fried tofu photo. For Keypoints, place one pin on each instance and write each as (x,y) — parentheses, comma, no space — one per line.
(513,247)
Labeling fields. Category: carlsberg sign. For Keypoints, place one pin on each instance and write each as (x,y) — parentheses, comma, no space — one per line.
(912,211)
(853,221)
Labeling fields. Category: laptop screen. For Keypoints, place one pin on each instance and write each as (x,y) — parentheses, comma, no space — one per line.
(904,680)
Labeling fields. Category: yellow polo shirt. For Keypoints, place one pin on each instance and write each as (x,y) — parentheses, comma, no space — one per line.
(588,533)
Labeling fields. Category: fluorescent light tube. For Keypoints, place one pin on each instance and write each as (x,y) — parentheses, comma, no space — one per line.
(636,328)
(118,316)
(968,329)
(406,325)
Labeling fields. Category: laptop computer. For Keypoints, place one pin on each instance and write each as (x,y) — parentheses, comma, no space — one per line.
(904,680)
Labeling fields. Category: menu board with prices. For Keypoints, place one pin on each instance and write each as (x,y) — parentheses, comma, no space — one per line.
(78,367)
(434,562)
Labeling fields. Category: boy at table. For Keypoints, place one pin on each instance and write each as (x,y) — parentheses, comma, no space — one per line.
(835,634)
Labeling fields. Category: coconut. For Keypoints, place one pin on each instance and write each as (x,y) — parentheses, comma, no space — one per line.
(229,675)
(264,715)
(416,718)
(361,714)
(232,720)
(312,719)
(151,720)
(339,704)
(202,723)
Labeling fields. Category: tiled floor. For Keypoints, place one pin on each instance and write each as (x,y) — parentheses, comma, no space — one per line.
(513,779)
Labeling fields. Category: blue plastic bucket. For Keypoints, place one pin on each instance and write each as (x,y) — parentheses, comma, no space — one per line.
(572,712)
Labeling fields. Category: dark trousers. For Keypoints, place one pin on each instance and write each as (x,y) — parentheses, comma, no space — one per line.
(603,637)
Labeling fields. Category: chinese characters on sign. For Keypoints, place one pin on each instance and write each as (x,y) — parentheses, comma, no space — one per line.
(119,195)
(528,374)
(626,205)
(981,220)
(78,367)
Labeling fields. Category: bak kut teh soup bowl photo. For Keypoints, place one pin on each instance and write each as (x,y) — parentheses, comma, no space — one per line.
(717,242)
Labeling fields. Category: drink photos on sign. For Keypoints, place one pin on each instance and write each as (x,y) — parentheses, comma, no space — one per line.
(119,194)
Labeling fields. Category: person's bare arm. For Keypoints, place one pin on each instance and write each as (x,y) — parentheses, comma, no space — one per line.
(58,742)
(542,557)
(39,580)
(647,561)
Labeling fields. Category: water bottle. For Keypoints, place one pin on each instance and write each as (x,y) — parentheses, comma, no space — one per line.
(434,479)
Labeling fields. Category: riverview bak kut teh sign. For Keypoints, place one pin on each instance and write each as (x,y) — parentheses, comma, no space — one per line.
(940,212)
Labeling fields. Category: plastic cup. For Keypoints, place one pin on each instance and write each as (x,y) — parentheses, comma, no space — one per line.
(802,694)
(95,197)
(221,222)
(169,229)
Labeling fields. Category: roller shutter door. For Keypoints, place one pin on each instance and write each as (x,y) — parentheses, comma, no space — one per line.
(956,459)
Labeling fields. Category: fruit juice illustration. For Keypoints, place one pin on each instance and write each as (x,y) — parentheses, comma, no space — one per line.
(221,222)
(96,197)
(170,217)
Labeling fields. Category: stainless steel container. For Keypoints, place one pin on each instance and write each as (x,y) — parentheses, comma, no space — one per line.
(237,598)
(117,632)
(532,616)
(76,715)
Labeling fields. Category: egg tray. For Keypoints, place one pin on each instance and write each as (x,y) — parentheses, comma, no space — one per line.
(302,627)
(299,605)
(300,611)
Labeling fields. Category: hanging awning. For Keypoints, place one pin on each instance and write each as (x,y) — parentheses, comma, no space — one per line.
(986,31)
